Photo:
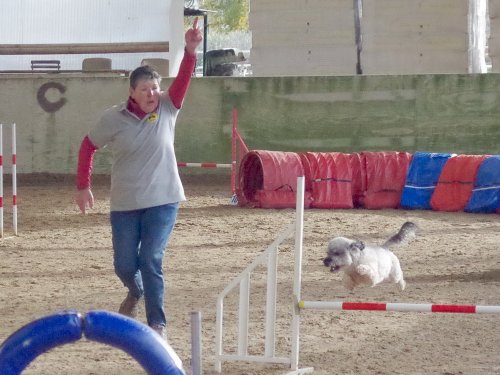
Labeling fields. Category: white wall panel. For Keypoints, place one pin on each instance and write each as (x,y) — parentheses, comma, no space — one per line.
(85,21)
(494,39)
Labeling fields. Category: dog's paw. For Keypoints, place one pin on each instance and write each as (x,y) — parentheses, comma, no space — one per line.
(402,285)
(348,283)
(363,269)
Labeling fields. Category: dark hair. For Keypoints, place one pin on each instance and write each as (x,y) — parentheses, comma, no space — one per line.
(145,72)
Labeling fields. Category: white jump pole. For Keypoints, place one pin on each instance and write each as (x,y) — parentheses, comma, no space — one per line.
(196,363)
(14,180)
(297,279)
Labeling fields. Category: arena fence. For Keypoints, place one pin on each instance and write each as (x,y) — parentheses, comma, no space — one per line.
(269,257)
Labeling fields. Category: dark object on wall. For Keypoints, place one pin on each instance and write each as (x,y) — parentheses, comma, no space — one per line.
(45,64)
(222,62)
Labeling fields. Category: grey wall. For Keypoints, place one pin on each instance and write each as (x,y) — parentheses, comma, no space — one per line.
(438,113)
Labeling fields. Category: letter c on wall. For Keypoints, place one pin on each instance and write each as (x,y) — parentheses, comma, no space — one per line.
(46,104)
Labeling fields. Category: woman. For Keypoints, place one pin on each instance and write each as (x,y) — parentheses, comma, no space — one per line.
(145,185)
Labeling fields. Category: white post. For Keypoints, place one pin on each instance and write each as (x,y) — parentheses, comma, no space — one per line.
(14,180)
(243,315)
(272,285)
(196,367)
(297,279)
(219,333)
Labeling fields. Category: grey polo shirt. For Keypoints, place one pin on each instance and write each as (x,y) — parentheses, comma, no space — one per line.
(144,168)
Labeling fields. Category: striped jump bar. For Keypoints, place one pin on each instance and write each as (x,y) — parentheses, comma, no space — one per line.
(204,165)
(403,307)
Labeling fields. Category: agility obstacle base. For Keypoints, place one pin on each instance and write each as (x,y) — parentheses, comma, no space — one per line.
(14,181)
(270,258)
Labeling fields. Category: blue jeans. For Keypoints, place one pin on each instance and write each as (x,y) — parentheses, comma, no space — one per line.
(139,241)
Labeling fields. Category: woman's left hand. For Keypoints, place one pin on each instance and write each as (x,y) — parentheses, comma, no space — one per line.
(193,37)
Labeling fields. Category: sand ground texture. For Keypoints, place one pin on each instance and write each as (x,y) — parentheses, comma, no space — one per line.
(63,260)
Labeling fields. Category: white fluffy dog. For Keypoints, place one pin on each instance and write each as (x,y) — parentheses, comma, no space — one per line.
(369,264)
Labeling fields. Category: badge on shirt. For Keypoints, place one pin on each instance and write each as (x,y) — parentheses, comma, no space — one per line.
(153,117)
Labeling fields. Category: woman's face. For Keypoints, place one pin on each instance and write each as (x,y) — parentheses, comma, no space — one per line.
(147,94)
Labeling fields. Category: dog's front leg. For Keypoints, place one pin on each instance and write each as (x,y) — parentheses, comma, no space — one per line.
(348,282)
(368,274)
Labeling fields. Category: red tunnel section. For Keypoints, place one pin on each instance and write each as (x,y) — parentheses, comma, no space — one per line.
(373,180)
(268,179)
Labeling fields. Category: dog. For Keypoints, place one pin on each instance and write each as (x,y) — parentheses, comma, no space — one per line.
(368,264)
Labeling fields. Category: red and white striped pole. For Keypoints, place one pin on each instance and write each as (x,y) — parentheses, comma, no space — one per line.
(1,180)
(14,182)
(234,198)
(402,307)
(203,165)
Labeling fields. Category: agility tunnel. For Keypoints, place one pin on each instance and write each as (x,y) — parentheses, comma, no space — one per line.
(371,180)
(139,341)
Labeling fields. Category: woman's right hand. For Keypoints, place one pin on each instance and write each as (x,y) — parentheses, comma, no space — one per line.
(84,199)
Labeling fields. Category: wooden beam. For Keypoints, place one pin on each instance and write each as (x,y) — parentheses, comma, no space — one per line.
(82,48)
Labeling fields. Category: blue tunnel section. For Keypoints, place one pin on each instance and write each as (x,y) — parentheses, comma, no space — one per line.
(485,196)
(422,179)
(37,337)
(136,339)
(131,336)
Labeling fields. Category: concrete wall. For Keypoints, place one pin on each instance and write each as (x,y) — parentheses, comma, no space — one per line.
(439,113)
(302,37)
(322,37)
(415,37)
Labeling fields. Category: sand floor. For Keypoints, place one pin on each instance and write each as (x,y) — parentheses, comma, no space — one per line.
(63,260)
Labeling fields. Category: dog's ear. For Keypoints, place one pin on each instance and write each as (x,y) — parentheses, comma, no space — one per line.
(358,245)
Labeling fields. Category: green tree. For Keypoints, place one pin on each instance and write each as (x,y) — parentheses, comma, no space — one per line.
(231,15)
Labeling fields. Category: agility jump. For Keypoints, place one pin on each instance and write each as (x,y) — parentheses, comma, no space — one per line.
(269,258)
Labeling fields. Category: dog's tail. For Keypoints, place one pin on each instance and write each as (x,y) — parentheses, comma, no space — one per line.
(407,233)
